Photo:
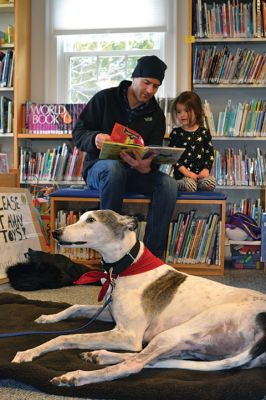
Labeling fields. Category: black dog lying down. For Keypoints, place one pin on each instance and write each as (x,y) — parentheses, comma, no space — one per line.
(44,271)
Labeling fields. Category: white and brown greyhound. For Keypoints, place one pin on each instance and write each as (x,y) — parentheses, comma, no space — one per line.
(164,318)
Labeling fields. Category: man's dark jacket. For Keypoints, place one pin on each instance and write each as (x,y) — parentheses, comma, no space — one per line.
(109,106)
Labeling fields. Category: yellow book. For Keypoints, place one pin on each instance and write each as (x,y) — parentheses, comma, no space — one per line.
(164,155)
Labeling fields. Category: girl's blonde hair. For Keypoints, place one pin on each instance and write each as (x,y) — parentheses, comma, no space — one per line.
(191,101)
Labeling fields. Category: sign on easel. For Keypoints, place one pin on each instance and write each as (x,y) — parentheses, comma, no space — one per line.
(19,228)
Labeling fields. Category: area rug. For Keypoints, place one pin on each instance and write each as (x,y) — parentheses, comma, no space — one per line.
(18,313)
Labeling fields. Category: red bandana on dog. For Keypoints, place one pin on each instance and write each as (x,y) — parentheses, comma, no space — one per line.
(146,262)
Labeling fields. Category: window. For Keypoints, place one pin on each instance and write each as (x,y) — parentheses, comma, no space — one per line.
(96,52)
(98,61)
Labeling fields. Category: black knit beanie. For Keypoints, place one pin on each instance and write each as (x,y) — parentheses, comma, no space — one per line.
(150,67)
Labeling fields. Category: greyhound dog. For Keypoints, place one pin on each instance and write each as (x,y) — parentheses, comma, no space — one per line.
(164,318)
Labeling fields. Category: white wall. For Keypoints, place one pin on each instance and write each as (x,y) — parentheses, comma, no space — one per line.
(41,53)
(37,50)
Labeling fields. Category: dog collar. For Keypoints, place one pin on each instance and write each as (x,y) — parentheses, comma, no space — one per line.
(120,265)
(146,262)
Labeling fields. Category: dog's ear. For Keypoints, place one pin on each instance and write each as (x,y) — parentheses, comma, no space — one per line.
(132,223)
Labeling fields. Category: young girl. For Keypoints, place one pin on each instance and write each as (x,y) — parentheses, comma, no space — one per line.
(192,171)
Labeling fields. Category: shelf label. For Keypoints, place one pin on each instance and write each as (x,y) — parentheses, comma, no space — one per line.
(190,39)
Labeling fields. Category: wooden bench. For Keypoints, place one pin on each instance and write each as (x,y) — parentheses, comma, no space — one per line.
(77,199)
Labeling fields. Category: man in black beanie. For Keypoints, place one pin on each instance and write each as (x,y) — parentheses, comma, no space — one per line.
(131,104)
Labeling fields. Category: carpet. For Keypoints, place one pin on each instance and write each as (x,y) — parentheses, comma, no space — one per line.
(18,313)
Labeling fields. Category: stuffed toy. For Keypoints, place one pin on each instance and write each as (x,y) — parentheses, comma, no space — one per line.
(242,227)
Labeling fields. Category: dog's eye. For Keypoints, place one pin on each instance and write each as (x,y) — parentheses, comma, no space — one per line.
(90,219)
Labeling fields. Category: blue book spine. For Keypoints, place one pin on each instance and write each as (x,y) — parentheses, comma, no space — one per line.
(263,238)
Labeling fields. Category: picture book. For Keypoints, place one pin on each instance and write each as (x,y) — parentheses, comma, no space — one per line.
(123,134)
(164,155)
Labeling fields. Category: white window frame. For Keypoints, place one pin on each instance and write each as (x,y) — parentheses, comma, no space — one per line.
(63,82)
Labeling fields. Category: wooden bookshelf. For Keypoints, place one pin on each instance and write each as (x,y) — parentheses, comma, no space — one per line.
(44,136)
(218,94)
(67,203)
(9,179)
(20,14)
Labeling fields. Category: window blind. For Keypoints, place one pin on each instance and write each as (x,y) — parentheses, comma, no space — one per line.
(87,16)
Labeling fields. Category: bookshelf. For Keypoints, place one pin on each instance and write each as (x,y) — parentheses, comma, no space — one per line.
(62,202)
(17,90)
(47,154)
(213,35)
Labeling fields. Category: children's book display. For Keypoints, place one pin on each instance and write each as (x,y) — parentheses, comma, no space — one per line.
(50,118)
(125,139)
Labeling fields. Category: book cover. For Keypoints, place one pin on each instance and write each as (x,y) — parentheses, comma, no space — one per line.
(53,118)
(204,239)
(198,223)
(189,240)
(164,155)
(123,134)
(185,236)
(210,234)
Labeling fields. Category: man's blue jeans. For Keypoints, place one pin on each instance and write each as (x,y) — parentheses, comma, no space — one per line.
(113,179)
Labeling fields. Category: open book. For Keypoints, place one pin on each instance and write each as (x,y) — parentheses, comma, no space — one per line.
(164,155)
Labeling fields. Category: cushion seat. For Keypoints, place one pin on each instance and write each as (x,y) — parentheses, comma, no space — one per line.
(87,193)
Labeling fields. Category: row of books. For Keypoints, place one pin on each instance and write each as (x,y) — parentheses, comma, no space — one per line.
(7,36)
(68,217)
(236,168)
(191,239)
(50,118)
(241,119)
(240,19)
(213,65)
(251,207)
(78,253)
(165,104)
(7,59)
(57,164)
(194,240)
(6,115)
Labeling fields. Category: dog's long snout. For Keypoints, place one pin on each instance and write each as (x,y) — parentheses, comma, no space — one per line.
(57,233)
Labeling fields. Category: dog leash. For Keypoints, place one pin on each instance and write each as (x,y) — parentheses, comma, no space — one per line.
(92,319)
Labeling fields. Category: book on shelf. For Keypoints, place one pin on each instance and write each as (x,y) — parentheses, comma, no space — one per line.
(182,236)
(209,118)
(216,66)
(164,155)
(204,240)
(190,237)
(210,237)
(4,114)
(50,118)
(57,164)
(263,238)
(174,237)
(243,119)
(6,67)
(4,168)
(224,19)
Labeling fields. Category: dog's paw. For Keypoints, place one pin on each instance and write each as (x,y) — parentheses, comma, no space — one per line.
(94,357)
(70,379)
(45,319)
(23,356)
(101,357)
